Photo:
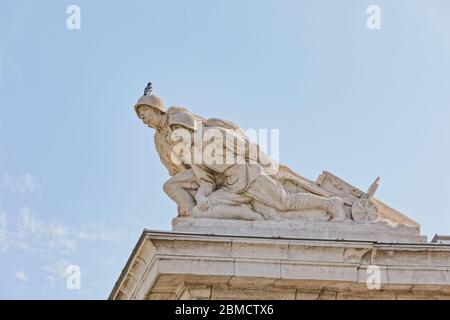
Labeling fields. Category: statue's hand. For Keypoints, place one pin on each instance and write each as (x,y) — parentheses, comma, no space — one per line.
(203,203)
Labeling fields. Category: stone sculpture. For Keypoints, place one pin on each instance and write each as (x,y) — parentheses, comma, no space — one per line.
(247,188)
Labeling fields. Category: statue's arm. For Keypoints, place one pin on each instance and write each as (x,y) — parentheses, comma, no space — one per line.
(164,150)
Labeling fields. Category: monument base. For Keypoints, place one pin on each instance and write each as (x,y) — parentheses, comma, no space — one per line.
(175,265)
(347,230)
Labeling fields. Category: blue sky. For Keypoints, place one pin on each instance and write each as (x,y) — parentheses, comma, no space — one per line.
(80,178)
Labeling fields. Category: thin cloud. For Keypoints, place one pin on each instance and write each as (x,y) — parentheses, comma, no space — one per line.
(3,228)
(57,268)
(52,243)
(20,275)
(50,239)
(23,184)
(29,222)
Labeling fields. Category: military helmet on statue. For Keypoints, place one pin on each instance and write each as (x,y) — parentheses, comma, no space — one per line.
(149,100)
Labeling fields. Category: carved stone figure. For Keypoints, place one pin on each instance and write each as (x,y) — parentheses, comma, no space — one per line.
(247,188)
(182,185)
(150,109)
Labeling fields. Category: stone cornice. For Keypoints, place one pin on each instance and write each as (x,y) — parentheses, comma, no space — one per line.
(187,255)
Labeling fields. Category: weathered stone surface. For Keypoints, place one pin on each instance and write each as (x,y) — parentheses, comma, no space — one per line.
(161,296)
(259,249)
(197,292)
(302,295)
(251,294)
(170,265)
(199,266)
(257,268)
(348,230)
(251,282)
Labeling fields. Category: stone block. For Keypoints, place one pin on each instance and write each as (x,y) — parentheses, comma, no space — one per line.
(212,266)
(257,268)
(331,272)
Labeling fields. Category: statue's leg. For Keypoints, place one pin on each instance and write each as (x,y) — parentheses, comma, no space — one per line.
(179,189)
(228,205)
(271,193)
(224,211)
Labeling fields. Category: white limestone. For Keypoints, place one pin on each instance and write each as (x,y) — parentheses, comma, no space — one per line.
(348,230)
(170,265)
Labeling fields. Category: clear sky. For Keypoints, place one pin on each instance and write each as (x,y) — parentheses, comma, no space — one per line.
(79,175)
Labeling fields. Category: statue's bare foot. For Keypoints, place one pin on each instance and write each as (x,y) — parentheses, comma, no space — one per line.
(184,212)
(337,211)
